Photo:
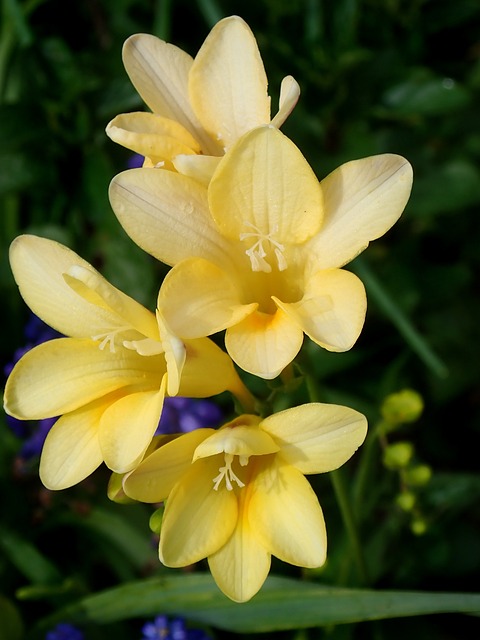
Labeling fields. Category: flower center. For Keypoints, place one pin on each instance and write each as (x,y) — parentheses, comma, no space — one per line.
(227,473)
(257,252)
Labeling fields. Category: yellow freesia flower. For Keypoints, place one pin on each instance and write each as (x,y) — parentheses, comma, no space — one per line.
(200,106)
(259,253)
(238,495)
(107,379)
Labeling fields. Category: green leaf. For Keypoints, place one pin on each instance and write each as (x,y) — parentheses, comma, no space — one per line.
(27,559)
(11,627)
(282,603)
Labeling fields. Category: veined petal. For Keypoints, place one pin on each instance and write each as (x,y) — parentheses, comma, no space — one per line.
(198,520)
(241,566)
(363,199)
(227,82)
(71,451)
(285,515)
(289,94)
(264,344)
(39,265)
(152,136)
(154,478)
(200,168)
(265,188)
(237,439)
(62,375)
(198,298)
(167,215)
(332,310)
(159,72)
(128,426)
(317,437)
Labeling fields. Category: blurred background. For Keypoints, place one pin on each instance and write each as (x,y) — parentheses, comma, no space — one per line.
(399,76)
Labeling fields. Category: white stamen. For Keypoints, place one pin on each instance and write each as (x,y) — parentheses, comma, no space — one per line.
(159,165)
(257,253)
(227,473)
(108,338)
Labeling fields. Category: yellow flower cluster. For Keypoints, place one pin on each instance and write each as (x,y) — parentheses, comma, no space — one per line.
(257,247)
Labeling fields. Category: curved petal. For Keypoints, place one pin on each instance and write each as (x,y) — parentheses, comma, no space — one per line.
(151,136)
(363,199)
(167,215)
(332,310)
(285,515)
(264,344)
(198,298)
(159,72)
(198,520)
(62,375)
(265,191)
(200,168)
(71,451)
(128,426)
(317,437)
(241,566)
(227,82)
(154,478)
(175,355)
(289,94)
(39,266)
(237,439)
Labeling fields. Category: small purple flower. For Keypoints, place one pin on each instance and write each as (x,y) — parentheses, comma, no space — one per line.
(135,161)
(64,631)
(33,433)
(162,629)
(181,415)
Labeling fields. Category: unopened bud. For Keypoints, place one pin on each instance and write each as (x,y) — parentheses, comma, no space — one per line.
(115,490)
(404,406)
(418,476)
(418,526)
(406,500)
(155,522)
(398,455)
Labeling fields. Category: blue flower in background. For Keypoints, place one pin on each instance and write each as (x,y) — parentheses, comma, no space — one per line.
(64,631)
(162,629)
(181,415)
(33,433)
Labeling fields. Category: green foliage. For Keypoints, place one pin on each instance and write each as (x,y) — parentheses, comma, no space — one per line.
(400,76)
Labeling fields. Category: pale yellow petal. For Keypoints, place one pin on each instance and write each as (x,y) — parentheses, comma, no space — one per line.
(71,451)
(152,136)
(264,344)
(265,189)
(200,168)
(363,199)
(175,355)
(198,298)
(317,437)
(39,265)
(332,310)
(167,215)
(289,94)
(64,374)
(154,478)
(128,426)
(285,514)
(198,520)
(227,82)
(159,72)
(237,439)
(241,566)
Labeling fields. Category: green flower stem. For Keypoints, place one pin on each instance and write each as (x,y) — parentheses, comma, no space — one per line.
(386,303)
(343,500)
(364,470)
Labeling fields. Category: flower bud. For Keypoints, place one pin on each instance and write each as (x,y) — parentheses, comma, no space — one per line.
(398,455)
(155,522)
(404,406)
(418,476)
(406,500)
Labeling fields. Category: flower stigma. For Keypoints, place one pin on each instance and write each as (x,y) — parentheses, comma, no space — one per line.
(257,253)
(227,472)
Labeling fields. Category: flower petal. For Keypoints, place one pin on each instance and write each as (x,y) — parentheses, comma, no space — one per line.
(241,566)
(152,136)
(264,344)
(265,185)
(363,199)
(39,265)
(167,215)
(237,438)
(198,298)
(227,82)
(198,520)
(71,451)
(332,310)
(154,478)
(317,437)
(200,168)
(289,94)
(128,426)
(62,375)
(285,515)
(159,72)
